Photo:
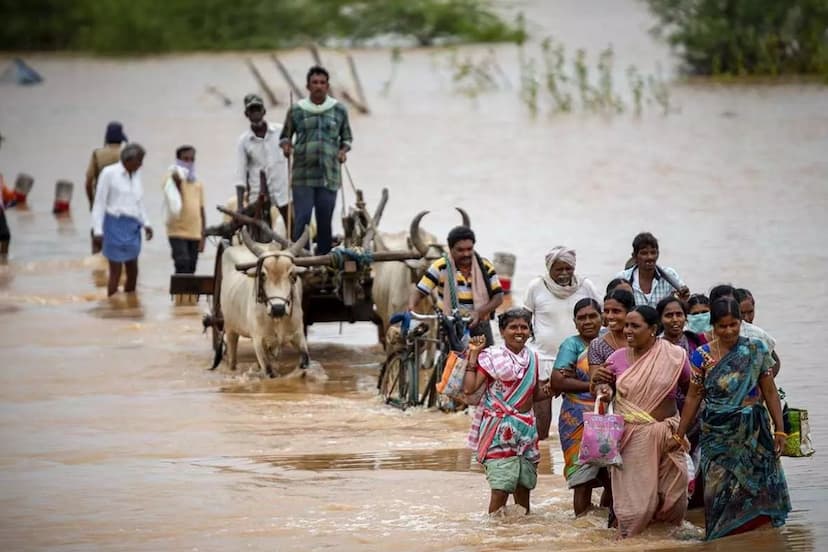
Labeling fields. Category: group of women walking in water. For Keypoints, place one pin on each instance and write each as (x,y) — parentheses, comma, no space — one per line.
(690,374)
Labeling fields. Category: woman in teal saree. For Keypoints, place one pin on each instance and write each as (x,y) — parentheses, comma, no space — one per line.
(744,485)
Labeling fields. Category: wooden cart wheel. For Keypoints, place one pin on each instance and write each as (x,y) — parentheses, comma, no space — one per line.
(217,328)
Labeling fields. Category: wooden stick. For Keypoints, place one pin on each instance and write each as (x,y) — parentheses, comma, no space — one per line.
(220,95)
(271,97)
(286,75)
(358,83)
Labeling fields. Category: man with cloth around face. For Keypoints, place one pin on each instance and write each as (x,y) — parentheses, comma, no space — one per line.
(323,139)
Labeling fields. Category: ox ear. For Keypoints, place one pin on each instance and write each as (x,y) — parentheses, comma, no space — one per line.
(244,267)
(299,270)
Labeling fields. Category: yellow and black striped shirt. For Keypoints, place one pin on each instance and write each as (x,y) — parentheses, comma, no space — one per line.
(435,277)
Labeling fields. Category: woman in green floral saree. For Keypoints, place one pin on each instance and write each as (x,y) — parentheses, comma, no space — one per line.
(744,485)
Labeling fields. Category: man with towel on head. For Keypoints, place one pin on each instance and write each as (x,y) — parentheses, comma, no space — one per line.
(551,298)
(465,282)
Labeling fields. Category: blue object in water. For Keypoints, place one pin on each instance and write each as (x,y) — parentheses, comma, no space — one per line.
(20,73)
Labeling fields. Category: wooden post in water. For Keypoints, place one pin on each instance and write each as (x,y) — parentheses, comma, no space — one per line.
(286,75)
(271,97)
(63,195)
(358,83)
(22,186)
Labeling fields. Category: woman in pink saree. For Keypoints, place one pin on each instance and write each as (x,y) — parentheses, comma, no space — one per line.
(652,483)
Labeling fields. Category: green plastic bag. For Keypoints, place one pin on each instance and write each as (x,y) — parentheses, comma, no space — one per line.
(798,428)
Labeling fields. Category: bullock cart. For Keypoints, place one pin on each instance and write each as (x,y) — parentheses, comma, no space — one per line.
(335,287)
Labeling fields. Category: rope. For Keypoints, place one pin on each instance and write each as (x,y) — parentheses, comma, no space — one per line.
(452,281)
(339,255)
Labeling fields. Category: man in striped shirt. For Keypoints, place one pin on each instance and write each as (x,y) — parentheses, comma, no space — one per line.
(476,291)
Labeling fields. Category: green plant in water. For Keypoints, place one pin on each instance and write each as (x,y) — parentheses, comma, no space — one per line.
(554,58)
(659,90)
(529,86)
(606,97)
(636,83)
(585,91)
(396,58)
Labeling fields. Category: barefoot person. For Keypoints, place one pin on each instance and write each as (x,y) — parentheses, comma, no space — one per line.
(744,483)
(503,432)
(652,483)
(571,376)
(118,215)
(101,158)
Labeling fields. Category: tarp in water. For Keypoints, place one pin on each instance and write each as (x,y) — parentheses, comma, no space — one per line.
(20,73)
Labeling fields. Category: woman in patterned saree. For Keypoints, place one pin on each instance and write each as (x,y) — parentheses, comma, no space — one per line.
(571,377)
(744,485)
(652,483)
(503,431)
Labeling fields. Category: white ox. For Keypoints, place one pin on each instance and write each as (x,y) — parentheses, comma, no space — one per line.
(393,280)
(261,298)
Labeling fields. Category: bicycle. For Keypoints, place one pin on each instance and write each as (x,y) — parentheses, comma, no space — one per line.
(399,379)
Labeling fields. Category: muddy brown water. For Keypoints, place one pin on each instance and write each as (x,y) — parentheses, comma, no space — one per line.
(113,435)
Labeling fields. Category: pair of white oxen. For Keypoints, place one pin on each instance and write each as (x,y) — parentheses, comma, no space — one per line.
(261,289)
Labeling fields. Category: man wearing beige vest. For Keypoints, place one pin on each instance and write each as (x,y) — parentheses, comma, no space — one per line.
(109,154)
(185,223)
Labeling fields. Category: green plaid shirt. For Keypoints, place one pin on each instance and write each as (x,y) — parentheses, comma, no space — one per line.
(319,138)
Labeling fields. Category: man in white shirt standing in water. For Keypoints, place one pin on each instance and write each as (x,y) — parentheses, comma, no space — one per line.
(118,214)
(551,298)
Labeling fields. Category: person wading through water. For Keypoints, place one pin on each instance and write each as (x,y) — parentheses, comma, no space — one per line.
(465,278)
(118,215)
(109,154)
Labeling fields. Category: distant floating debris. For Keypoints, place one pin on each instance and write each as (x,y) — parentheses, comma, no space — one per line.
(20,73)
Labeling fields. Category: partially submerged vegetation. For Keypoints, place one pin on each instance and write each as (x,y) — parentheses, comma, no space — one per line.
(153,26)
(746,37)
(560,83)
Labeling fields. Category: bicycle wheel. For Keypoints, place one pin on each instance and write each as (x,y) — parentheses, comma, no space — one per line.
(430,394)
(393,384)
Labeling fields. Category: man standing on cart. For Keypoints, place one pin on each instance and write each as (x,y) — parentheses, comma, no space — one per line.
(465,282)
(259,166)
(323,139)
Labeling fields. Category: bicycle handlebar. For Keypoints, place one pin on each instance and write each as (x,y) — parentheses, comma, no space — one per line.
(424,317)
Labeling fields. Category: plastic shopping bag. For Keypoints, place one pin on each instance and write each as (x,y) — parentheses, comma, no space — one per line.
(601,440)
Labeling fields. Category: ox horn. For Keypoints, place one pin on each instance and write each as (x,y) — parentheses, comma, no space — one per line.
(254,247)
(414,230)
(297,248)
(465,215)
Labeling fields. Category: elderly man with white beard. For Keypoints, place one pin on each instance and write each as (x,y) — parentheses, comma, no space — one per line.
(551,298)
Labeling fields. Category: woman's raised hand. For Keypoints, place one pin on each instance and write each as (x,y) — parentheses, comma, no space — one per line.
(477,343)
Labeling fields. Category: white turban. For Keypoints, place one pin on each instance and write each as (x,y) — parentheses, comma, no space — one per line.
(560,253)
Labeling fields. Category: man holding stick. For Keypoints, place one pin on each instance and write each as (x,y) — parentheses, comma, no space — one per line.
(323,139)
(259,166)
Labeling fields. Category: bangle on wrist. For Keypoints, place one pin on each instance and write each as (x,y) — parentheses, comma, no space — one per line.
(780,434)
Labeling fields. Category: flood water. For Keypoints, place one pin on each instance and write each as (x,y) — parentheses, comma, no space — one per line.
(114,436)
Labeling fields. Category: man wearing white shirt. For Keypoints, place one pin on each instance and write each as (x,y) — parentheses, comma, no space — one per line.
(259,159)
(118,214)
